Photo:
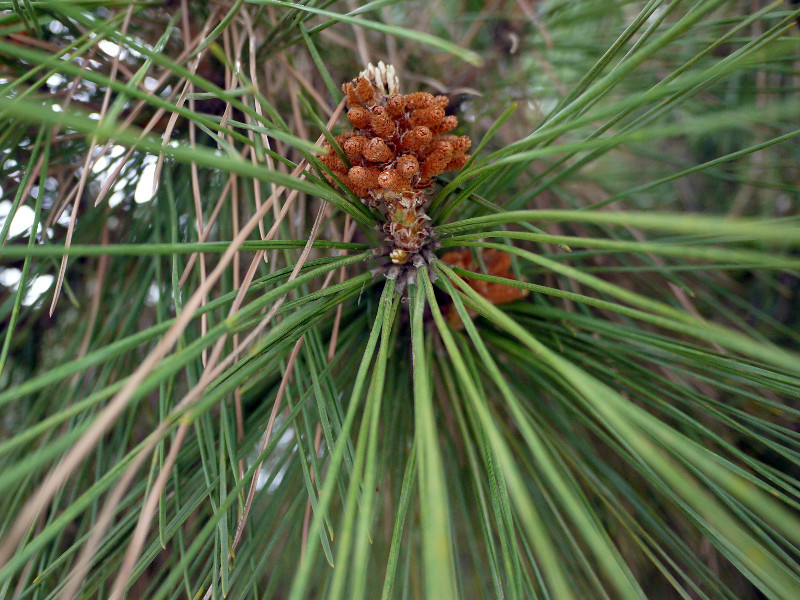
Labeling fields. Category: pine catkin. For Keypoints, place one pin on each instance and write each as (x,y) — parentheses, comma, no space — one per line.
(398,145)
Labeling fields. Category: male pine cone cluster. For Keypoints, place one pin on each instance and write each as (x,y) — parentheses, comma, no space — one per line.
(397,146)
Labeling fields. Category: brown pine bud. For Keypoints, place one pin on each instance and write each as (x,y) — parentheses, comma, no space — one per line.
(437,160)
(364,89)
(497,262)
(332,161)
(342,176)
(390,179)
(429,117)
(381,123)
(358,191)
(365,177)
(459,258)
(417,138)
(418,100)
(457,162)
(460,144)
(359,117)
(378,151)
(395,104)
(355,145)
(442,101)
(499,293)
(408,166)
(449,123)
(350,92)
(440,146)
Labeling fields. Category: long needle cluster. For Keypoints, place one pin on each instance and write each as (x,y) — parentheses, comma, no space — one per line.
(398,144)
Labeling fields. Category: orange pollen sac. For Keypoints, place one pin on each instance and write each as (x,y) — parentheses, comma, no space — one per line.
(459,144)
(364,89)
(437,160)
(377,151)
(395,104)
(364,177)
(442,147)
(408,165)
(418,100)
(417,138)
(359,117)
(355,145)
(498,263)
(398,143)
(429,117)
(457,162)
(381,123)
(332,161)
(447,124)
(392,180)
(350,92)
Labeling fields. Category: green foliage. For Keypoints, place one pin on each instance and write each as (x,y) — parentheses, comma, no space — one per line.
(228,398)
